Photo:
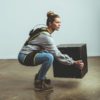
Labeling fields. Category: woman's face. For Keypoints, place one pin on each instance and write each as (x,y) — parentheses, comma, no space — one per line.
(56,24)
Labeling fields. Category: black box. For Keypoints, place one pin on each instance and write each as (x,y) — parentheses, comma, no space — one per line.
(77,52)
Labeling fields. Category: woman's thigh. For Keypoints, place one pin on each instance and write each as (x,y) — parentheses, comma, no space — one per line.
(42,57)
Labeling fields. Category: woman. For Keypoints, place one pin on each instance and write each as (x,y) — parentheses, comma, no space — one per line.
(42,50)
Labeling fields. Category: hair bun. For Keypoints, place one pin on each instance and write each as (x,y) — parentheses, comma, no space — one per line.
(50,13)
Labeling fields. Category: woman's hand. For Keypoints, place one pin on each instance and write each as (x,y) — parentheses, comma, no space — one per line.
(79,64)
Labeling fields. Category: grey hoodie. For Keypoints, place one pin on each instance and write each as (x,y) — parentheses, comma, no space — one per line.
(46,41)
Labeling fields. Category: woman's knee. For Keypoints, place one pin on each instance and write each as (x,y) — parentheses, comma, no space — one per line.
(21,58)
(50,57)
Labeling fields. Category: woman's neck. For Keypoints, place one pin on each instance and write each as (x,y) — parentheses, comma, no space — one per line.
(50,30)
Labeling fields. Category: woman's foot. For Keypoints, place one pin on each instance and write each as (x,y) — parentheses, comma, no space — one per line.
(42,85)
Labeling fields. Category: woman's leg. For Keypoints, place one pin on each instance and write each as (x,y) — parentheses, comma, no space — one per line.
(46,59)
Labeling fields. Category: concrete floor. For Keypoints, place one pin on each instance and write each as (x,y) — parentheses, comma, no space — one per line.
(16,83)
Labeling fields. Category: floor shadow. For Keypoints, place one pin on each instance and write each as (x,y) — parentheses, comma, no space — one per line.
(43,95)
(66,84)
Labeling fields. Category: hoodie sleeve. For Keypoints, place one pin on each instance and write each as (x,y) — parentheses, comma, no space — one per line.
(48,44)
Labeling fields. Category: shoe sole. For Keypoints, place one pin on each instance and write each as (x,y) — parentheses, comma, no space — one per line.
(40,90)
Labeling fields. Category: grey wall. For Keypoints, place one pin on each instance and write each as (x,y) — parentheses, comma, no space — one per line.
(80,23)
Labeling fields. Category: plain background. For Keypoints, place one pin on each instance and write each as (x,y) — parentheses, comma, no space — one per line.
(80,23)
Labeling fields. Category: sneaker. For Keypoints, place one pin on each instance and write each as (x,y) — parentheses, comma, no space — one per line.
(47,81)
(40,85)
